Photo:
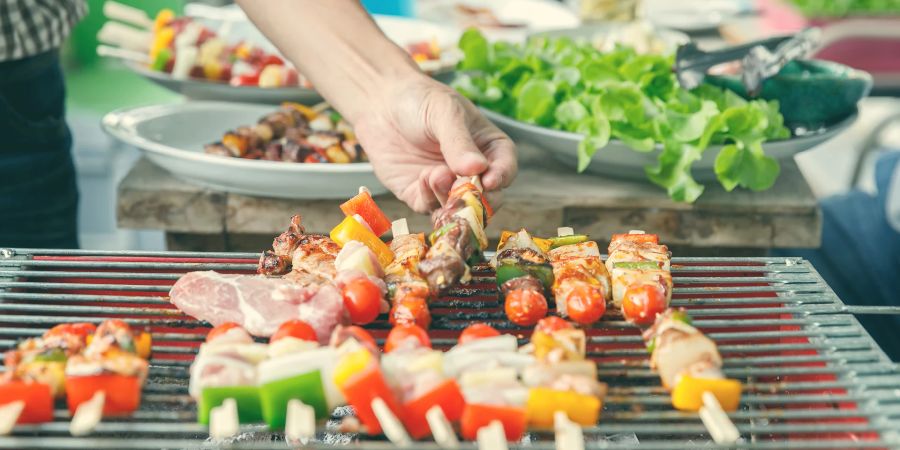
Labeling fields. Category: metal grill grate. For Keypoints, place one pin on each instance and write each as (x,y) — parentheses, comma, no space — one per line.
(813,377)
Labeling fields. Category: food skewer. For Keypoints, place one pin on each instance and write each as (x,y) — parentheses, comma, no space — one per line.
(568,435)
(441,428)
(492,437)
(523,274)
(407,288)
(9,415)
(639,269)
(223,420)
(458,237)
(300,422)
(690,367)
(581,283)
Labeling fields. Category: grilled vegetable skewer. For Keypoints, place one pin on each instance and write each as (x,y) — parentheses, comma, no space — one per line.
(688,363)
(641,280)
(458,237)
(407,288)
(523,274)
(581,283)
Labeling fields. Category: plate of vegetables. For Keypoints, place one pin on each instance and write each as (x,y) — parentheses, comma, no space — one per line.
(295,151)
(622,113)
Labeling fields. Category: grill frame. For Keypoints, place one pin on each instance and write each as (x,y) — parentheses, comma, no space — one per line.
(775,319)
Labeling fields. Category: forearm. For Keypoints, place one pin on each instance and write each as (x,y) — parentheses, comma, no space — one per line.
(336,45)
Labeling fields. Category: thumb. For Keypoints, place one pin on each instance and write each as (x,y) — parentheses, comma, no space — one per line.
(455,141)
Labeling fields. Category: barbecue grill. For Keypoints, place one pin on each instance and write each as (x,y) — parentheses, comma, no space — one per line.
(813,377)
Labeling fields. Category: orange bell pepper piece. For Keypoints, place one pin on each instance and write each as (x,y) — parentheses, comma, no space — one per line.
(365,206)
(351,230)
(688,392)
(37,397)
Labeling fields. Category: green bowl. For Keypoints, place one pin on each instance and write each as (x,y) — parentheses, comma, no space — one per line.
(811,93)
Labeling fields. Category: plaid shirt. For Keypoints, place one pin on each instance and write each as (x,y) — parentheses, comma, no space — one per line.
(32,27)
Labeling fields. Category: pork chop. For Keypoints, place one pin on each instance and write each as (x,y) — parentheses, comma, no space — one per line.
(259,304)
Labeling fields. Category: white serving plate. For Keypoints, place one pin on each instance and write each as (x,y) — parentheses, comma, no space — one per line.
(402,31)
(535,15)
(173,137)
(618,160)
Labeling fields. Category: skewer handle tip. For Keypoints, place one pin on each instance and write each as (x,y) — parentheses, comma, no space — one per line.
(9,415)
(223,420)
(717,422)
(88,415)
(568,434)
(300,422)
(399,227)
(492,437)
(565,231)
(390,424)
(441,428)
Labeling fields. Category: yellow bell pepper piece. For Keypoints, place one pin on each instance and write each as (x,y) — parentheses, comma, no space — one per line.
(162,39)
(688,393)
(307,112)
(543,244)
(143,343)
(350,365)
(504,236)
(351,230)
(543,402)
(163,18)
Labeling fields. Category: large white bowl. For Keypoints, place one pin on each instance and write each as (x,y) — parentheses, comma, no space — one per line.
(173,137)
(618,160)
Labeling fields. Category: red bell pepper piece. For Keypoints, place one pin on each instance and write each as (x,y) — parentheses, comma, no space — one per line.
(123,392)
(245,80)
(364,205)
(446,395)
(475,416)
(363,385)
(37,397)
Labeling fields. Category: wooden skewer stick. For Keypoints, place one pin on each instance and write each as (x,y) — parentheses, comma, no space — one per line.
(300,422)
(119,35)
(9,415)
(716,421)
(569,435)
(88,415)
(127,14)
(223,420)
(441,429)
(399,227)
(492,437)
(390,424)
(565,231)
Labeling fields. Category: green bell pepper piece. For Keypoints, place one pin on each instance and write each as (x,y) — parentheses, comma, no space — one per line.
(637,265)
(559,241)
(55,355)
(275,395)
(439,232)
(510,269)
(247,398)
(162,58)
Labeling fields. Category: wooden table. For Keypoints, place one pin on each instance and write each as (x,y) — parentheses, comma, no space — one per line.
(544,196)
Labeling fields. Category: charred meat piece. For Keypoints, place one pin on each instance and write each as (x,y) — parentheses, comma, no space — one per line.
(272,264)
(526,282)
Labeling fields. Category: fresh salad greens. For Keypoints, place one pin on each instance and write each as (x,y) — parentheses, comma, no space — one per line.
(568,85)
(842,8)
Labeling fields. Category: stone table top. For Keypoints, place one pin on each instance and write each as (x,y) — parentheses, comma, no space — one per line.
(544,196)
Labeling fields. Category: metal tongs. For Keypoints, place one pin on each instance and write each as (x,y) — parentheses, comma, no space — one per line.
(760,59)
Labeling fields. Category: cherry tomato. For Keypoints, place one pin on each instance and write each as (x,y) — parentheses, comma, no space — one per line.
(550,324)
(362,298)
(401,333)
(641,303)
(477,331)
(295,328)
(272,59)
(525,306)
(585,304)
(411,311)
(220,330)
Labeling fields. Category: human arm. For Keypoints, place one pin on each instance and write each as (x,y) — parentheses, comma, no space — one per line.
(418,133)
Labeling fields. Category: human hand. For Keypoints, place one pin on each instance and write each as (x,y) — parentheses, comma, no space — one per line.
(420,134)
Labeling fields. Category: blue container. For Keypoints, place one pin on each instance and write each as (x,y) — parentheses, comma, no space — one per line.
(405,8)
